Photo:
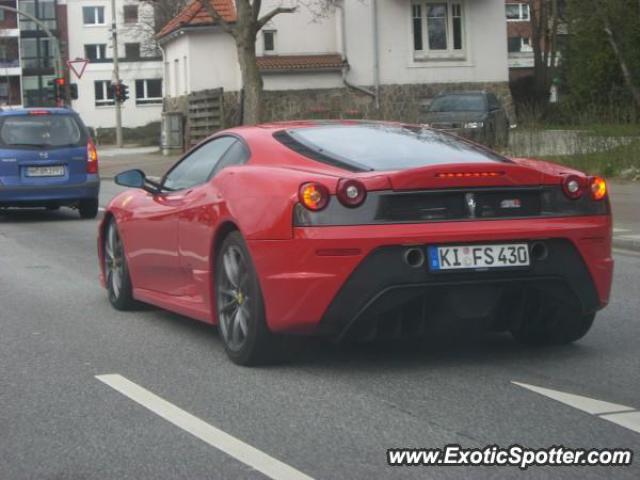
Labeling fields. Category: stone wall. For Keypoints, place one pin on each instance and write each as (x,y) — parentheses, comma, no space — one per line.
(397,102)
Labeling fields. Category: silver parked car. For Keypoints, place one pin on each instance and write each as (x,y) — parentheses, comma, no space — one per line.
(478,116)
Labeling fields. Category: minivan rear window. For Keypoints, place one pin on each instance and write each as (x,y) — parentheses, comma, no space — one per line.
(45,131)
(366,147)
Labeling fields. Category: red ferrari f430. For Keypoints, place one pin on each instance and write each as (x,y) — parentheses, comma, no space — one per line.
(353,229)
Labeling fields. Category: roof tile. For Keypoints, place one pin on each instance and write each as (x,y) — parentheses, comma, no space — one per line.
(289,63)
(194,14)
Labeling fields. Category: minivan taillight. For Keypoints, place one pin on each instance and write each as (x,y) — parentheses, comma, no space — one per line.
(92,157)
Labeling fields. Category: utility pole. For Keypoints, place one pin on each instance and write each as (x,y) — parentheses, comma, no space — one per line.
(116,73)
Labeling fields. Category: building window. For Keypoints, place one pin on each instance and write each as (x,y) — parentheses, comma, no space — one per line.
(517,12)
(130,14)
(96,52)
(93,15)
(148,91)
(269,41)
(104,94)
(132,50)
(37,53)
(185,71)
(167,76)
(519,45)
(438,29)
(176,77)
(417,27)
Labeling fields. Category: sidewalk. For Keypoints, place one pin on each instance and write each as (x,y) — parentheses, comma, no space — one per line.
(148,159)
(625,202)
(625,197)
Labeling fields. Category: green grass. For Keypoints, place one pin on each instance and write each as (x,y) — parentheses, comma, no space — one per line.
(609,163)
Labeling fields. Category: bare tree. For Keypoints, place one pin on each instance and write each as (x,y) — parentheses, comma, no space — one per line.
(164,11)
(245,32)
(249,21)
(545,20)
(151,19)
(627,74)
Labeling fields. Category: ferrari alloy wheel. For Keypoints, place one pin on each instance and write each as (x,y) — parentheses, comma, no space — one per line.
(116,271)
(555,324)
(241,317)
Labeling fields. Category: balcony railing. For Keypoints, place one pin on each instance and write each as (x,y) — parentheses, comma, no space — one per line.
(35,63)
(6,63)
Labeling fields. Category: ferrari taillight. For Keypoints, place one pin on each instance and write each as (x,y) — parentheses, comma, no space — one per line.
(351,193)
(573,187)
(92,157)
(314,196)
(598,188)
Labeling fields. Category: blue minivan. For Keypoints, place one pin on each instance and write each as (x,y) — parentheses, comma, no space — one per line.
(47,159)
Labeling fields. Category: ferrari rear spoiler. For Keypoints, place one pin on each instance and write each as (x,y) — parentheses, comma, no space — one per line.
(489,174)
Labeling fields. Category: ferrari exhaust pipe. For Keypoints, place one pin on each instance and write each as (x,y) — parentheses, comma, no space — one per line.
(539,251)
(414,257)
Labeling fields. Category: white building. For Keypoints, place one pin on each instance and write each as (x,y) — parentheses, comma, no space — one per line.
(401,52)
(89,27)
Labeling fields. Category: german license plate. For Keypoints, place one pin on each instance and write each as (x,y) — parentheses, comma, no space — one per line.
(458,257)
(56,171)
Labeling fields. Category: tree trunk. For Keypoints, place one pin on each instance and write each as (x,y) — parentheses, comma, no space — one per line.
(538,20)
(245,33)
(553,42)
(626,73)
(252,82)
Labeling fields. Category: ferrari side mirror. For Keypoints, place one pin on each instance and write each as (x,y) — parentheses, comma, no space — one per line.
(131,178)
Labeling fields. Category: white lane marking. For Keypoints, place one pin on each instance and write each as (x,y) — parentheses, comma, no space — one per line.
(620,230)
(586,404)
(102,209)
(622,415)
(629,237)
(630,420)
(215,437)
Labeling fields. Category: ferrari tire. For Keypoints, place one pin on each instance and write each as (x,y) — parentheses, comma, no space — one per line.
(240,307)
(88,208)
(559,325)
(116,270)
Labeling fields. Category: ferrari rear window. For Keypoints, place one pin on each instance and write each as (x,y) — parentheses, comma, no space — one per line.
(367,147)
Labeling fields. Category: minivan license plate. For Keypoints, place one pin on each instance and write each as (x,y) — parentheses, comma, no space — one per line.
(458,257)
(57,171)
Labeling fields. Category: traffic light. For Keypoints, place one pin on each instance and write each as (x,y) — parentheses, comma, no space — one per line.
(51,90)
(120,92)
(55,91)
(124,92)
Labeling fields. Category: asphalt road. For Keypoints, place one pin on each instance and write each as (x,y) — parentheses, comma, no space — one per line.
(331,414)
